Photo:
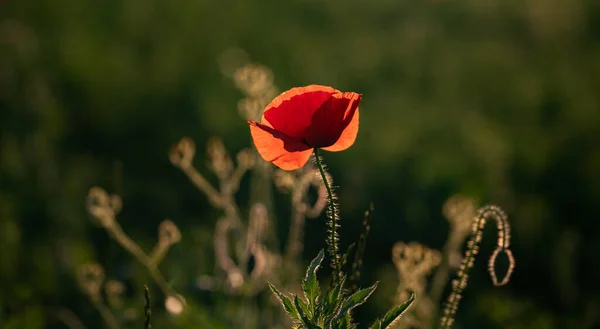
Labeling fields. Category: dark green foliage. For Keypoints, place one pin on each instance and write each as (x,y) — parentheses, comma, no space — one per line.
(310,285)
(331,309)
(290,309)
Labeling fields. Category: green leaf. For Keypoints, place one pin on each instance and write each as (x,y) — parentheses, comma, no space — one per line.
(303,312)
(328,307)
(310,285)
(357,298)
(287,304)
(396,313)
(334,297)
(345,322)
(376,325)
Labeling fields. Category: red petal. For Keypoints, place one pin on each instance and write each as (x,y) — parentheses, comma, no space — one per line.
(332,122)
(347,137)
(275,146)
(292,111)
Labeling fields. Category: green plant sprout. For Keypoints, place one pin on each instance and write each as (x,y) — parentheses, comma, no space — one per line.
(331,308)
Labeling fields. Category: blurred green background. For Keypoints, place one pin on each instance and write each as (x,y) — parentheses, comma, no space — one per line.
(494,99)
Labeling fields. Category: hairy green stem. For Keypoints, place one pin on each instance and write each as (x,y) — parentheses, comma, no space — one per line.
(332,238)
(147,310)
(503,244)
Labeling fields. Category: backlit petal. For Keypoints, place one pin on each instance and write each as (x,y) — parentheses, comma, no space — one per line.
(292,111)
(347,137)
(293,161)
(331,121)
(275,146)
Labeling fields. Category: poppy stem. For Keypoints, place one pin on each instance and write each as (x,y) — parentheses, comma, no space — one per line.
(332,213)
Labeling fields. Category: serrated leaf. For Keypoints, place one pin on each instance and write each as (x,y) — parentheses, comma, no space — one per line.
(396,313)
(328,307)
(303,312)
(286,303)
(356,299)
(310,285)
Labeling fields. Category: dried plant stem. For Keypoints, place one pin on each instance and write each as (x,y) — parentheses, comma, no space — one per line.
(216,199)
(202,184)
(332,213)
(158,254)
(125,241)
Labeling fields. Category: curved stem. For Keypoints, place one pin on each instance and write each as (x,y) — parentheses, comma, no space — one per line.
(503,243)
(332,238)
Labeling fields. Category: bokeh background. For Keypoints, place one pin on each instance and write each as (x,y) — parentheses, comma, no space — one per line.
(496,99)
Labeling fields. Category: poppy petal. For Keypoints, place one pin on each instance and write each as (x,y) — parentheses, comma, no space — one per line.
(292,111)
(275,146)
(332,120)
(347,137)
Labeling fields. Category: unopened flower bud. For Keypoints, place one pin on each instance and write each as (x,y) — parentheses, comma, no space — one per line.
(168,233)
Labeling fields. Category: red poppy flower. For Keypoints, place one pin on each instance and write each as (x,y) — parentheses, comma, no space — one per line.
(302,119)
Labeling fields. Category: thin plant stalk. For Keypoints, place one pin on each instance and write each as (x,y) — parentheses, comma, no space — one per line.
(147,310)
(332,213)
(125,241)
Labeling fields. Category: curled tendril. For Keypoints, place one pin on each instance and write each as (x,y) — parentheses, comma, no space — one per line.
(103,207)
(182,153)
(502,245)
(492,266)
(168,233)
